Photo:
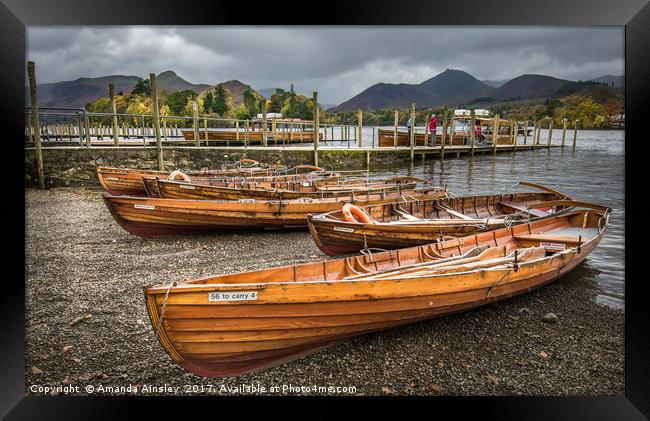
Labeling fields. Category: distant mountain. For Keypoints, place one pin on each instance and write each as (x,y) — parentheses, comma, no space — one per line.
(235,91)
(495,83)
(170,82)
(448,87)
(615,81)
(76,93)
(526,86)
(266,92)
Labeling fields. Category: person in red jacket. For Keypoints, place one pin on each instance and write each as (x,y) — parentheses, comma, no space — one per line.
(432,128)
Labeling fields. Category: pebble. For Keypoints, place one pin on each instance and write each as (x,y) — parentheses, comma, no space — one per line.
(524,310)
(550,318)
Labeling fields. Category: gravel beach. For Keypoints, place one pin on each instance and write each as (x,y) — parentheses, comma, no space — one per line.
(86,322)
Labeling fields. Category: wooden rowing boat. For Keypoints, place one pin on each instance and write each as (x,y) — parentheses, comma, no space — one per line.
(315,190)
(297,181)
(129,181)
(149,216)
(237,323)
(397,225)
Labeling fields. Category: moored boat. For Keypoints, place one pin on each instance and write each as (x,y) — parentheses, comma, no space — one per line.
(316,190)
(237,323)
(391,226)
(149,216)
(128,181)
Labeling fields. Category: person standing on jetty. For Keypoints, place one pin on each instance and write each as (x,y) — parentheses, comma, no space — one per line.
(433,123)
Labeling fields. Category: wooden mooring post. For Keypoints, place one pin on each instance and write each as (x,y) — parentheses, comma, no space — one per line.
(443,138)
(264,122)
(495,133)
(575,133)
(360,126)
(525,131)
(395,128)
(515,135)
(472,131)
(550,132)
(205,129)
(111,94)
(316,130)
(412,131)
(31,70)
(563,131)
(156,120)
(195,123)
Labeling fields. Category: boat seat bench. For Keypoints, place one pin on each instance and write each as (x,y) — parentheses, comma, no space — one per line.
(568,236)
(520,208)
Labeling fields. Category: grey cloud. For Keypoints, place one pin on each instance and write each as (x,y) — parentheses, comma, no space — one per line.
(339,62)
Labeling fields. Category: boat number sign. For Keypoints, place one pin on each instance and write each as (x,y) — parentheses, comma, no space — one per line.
(553,246)
(343,229)
(232,296)
(140,206)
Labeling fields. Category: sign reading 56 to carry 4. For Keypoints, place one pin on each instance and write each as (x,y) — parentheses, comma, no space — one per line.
(232,296)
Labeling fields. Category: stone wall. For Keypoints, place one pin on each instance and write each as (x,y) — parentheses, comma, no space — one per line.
(76,167)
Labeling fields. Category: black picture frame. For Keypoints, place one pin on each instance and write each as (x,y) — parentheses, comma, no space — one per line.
(634,15)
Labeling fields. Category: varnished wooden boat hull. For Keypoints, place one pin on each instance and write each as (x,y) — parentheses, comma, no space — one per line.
(128,181)
(179,190)
(146,217)
(300,309)
(335,236)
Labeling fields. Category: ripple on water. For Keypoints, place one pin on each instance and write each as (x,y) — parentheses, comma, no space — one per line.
(594,172)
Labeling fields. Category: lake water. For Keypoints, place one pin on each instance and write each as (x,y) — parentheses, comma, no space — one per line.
(594,172)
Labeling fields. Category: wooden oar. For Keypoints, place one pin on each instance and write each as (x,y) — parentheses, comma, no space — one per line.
(475,251)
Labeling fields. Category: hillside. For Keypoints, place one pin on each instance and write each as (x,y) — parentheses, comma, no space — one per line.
(526,86)
(615,81)
(76,93)
(447,87)
(170,81)
(234,91)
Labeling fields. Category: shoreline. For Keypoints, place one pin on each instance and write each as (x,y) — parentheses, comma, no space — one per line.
(79,262)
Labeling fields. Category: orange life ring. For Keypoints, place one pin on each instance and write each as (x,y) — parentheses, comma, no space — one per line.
(178,173)
(351,211)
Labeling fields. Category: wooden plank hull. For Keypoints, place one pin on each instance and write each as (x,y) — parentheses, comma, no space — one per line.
(128,181)
(389,231)
(147,217)
(300,309)
(179,190)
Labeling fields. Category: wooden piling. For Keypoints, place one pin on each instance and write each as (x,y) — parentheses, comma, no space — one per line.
(205,129)
(79,129)
(264,122)
(395,128)
(164,120)
(495,133)
(515,129)
(525,131)
(412,131)
(472,129)
(443,139)
(31,70)
(452,130)
(316,137)
(360,125)
(195,123)
(563,131)
(550,132)
(237,130)
(575,133)
(111,94)
(156,120)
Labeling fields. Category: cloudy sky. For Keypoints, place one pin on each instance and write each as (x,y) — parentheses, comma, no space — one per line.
(338,62)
